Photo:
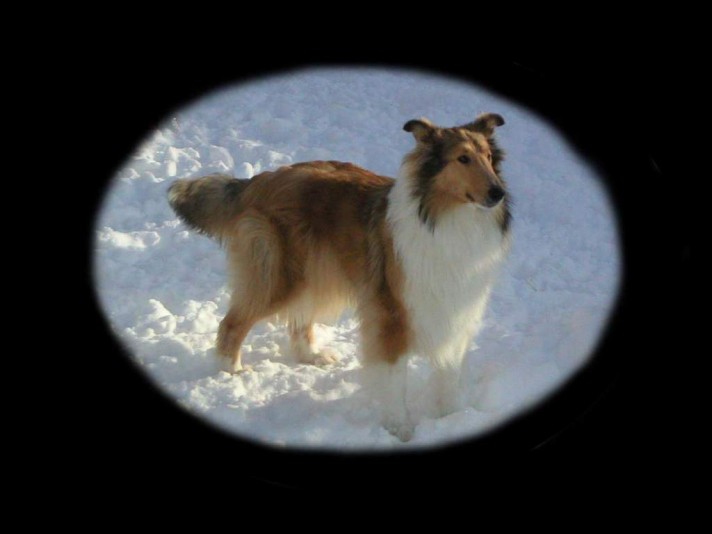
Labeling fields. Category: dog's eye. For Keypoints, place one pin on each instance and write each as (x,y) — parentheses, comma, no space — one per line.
(464,159)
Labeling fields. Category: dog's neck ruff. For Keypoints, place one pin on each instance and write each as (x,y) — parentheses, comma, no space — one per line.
(467,233)
(448,270)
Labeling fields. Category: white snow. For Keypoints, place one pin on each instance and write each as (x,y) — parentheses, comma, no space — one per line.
(163,288)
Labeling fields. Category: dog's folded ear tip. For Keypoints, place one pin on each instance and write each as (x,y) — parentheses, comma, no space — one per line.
(420,128)
(494,119)
(486,123)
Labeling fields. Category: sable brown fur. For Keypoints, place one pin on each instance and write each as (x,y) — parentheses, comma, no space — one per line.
(440,183)
(303,242)
(309,239)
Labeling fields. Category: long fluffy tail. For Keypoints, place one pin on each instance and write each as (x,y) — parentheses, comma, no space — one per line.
(207,204)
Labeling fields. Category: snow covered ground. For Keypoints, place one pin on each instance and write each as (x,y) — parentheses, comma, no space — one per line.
(163,288)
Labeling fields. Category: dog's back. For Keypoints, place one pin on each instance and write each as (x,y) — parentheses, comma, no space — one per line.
(321,200)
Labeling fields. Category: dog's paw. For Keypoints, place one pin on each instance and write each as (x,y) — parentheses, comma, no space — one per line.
(402,430)
(447,405)
(328,356)
(233,367)
(325,356)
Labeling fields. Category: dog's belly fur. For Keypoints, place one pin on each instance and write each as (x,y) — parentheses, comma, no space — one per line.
(448,274)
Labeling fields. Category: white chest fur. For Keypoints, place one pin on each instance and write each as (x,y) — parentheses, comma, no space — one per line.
(449,272)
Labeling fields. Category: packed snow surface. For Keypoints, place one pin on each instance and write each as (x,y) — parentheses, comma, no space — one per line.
(163,288)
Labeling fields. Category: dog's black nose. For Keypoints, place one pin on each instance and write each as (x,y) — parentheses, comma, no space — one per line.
(495,194)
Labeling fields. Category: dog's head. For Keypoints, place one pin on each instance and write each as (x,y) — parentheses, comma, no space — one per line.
(451,167)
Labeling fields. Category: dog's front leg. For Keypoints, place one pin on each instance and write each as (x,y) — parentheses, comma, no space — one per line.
(387,383)
(448,389)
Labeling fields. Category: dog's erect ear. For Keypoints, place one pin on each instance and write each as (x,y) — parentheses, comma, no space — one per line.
(421,129)
(486,123)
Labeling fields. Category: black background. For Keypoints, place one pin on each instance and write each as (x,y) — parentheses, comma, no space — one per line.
(617,426)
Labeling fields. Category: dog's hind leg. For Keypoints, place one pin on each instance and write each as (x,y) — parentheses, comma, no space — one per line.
(255,257)
(304,348)
(231,334)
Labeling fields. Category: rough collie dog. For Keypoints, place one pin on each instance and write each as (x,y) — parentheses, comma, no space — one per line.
(416,257)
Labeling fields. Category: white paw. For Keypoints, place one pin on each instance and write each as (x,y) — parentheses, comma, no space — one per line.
(448,405)
(328,356)
(227,365)
(402,430)
(325,356)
